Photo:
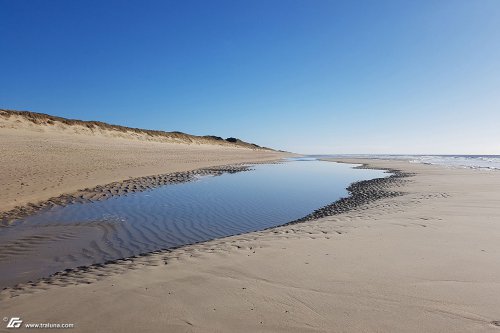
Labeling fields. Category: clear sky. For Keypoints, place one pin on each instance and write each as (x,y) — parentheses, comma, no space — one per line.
(311,76)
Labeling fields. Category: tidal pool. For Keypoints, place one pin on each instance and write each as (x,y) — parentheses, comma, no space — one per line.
(172,215)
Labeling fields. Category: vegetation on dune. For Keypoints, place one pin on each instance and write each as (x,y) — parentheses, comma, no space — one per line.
(46,119)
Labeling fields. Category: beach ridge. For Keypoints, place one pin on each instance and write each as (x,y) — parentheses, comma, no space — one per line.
(35,121)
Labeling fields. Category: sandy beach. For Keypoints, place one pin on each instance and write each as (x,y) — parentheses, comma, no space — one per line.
(250,166)
(424,261)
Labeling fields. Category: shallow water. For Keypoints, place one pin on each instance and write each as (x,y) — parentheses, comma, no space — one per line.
(211,207)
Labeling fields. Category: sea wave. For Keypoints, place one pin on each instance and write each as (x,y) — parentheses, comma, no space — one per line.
(483,162)
(488,162)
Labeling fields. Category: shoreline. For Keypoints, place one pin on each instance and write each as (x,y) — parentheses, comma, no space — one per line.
(422,261)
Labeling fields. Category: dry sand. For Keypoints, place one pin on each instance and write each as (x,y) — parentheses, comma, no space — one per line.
(41,161)
(426,261)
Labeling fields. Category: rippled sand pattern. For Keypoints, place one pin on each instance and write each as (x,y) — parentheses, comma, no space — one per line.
(170,216)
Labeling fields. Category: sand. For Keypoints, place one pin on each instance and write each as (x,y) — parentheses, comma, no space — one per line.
(426,261)
(42,161)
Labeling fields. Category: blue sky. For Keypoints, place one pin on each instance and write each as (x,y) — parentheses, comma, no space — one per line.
(306,76)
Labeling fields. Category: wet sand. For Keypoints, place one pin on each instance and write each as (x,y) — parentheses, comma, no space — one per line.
(424,260)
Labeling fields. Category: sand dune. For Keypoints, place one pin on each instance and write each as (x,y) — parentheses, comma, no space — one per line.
(42,122)
(424,261)
(44,156)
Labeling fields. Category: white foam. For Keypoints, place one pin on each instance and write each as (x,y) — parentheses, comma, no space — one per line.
(471,162)
(483,162)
